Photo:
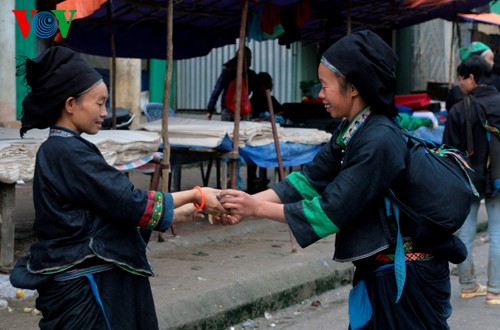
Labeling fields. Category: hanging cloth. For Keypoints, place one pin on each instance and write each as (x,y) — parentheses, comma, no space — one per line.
(254,30)
(271,22)
(288,21)
(303,13)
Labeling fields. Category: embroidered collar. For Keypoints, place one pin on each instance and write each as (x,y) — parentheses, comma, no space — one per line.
(62,131)
(352,127)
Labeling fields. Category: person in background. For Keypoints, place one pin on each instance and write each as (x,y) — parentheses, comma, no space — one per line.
(342,192)
(475,48)
(227,75)
(260,106)
(260,112)
(464,130)
(89,260)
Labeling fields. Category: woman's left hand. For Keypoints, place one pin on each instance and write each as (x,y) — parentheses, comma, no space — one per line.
(212,203)
(187,212)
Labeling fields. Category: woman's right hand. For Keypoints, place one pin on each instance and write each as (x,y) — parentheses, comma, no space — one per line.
(239,204)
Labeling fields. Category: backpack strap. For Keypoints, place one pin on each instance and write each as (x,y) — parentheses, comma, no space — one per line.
(399,255)
(468,127)
(481,113)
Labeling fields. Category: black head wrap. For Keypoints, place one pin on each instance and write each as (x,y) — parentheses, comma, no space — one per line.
(366,61)
(53,76)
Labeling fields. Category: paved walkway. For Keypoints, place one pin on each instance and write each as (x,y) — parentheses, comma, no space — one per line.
(211,276)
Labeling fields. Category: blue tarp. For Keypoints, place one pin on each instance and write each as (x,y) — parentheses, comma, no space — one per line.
(292,154)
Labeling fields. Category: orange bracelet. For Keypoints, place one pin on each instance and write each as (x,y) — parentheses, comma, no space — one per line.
(202,205)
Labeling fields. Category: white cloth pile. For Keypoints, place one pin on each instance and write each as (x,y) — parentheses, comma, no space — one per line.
(17,156)
(190,132)
(17,160)
(122,146)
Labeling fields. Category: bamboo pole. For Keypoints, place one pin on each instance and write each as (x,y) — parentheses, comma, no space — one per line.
(113,64)
(275,135)
(452,56)
(233,156)
(281,168)
(166,99)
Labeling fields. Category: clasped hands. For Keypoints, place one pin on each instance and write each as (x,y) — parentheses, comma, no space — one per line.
(228,206)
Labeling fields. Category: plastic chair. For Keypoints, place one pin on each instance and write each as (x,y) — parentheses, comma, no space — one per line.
(154,111)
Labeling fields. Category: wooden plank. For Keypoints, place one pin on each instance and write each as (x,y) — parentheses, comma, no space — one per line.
(7,204)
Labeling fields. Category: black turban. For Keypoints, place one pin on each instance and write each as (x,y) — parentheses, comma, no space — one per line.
(53,76)
(366,61)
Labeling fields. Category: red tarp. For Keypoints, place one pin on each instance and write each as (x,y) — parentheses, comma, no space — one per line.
(490,18)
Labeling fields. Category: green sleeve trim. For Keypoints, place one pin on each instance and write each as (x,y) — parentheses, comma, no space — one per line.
(303,186)
(320,222)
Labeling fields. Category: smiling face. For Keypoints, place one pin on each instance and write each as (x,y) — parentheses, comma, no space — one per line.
(86,113)
(341,98)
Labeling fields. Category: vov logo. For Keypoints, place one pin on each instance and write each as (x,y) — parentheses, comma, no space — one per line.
(45,23)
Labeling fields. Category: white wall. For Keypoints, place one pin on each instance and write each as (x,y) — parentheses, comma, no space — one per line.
(195,78)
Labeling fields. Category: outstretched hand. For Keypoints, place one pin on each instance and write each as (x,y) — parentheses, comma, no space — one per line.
(212,203)
(187,212)
(238,204)
(213,207)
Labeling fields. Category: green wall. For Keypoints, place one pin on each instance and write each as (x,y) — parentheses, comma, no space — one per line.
(24,48)
(404,49)
(157,72)
(495,7)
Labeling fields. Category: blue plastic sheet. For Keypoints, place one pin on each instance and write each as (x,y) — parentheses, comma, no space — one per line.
(431,134)
(292,154)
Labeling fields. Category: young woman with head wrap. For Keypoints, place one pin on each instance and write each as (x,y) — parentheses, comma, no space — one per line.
(342,192)
(89,257)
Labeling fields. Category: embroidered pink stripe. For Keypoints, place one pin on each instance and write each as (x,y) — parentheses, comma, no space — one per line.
(146,217)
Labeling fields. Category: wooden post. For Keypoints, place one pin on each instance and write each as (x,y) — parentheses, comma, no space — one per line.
(166,99)
(275,135)
(128,86)
(239,74)
(113,64)
(452,56)
(7,202)
(278,152)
